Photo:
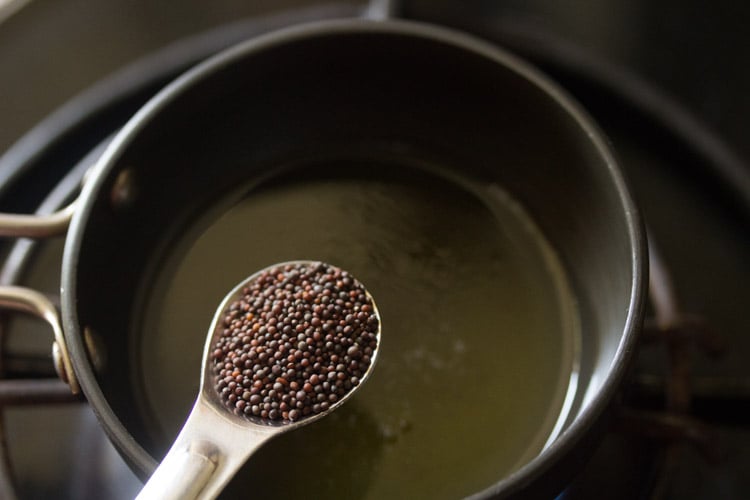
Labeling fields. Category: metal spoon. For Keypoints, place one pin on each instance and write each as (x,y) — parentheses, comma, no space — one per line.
(214,442)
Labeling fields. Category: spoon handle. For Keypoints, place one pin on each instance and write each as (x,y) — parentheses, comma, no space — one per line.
(206,455)
(182,474)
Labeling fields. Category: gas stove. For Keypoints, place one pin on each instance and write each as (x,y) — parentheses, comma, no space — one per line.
(665,80)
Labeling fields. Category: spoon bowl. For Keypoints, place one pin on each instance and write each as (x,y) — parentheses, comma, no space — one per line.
(216,441)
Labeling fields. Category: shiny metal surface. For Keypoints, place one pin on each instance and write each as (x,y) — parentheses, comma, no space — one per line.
(36,226)
(32,302)
(214,443)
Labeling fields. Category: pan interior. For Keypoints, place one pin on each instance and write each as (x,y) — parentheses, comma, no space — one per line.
(481,332)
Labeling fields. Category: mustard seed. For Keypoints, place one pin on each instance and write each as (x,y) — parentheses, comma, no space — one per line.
(298,339)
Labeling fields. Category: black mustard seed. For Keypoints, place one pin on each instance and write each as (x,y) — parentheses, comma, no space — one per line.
(288,336)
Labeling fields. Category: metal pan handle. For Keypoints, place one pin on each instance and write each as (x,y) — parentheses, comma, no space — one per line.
(36,226)
(32,302)
(46,225)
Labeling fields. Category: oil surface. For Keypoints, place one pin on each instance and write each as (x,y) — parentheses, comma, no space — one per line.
(479,334)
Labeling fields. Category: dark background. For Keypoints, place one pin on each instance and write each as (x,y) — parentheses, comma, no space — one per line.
(697,51)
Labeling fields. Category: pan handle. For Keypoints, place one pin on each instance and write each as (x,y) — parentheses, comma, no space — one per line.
(44,225)
(36,226)
(22,299)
